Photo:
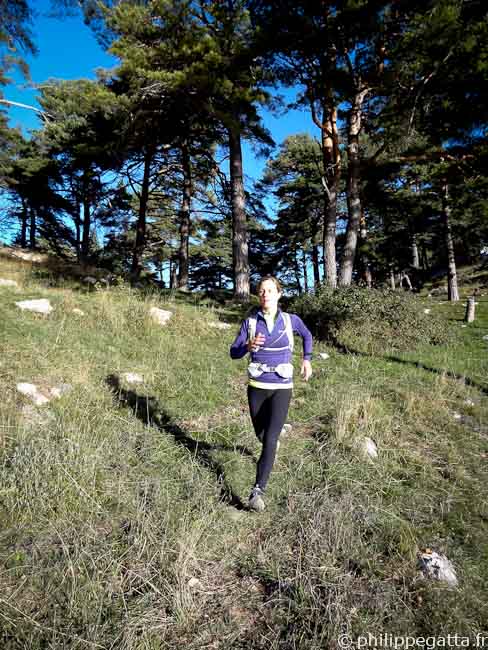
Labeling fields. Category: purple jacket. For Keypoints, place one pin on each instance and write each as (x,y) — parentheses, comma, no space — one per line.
(275,348)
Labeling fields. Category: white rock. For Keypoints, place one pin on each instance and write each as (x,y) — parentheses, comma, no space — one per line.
(286,429)
(485,337)
(36,418)
(194,583)
(30,390)
(42,306)
(469,402)
(133,378)
(8,283)
(58,391)
(457,416)
(463,325)
(368,447)
(323,355)
(78,312)
(29,256)
(160,316)
(426,311)
(220,326)
(437,567)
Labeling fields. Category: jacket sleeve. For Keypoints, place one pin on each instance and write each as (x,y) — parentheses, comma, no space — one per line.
(239,348)
(300,328)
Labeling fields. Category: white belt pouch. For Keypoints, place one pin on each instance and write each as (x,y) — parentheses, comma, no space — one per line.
(284,370)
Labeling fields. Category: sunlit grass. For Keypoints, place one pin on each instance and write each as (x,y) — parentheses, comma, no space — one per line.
(124,506)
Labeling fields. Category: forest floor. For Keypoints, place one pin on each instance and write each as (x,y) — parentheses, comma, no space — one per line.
(124,506)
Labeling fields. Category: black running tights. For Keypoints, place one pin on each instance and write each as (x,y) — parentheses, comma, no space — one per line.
(268,409)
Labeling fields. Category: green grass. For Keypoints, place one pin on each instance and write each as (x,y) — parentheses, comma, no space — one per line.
(124,507)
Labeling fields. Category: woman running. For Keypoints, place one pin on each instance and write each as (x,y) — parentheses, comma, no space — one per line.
(268,336)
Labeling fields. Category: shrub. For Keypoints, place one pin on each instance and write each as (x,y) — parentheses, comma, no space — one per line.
(371,319)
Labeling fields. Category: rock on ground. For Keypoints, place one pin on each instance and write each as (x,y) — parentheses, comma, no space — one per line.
(41,306)
(8,283)
(39,398)
(133,378)
(323,355)
(286,429)
(28,256)
(59,391)
(78,312)
(31,391)
(220,326)
(160,316)
(437,567)
(367,447)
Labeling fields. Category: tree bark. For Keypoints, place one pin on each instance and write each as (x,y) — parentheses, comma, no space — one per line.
(183,254)
(331,156)
(240,255)
(353,189)
(85,239)
(140,242)
(470,310)
(77,220)
(296,266)
(315,264)
(392,278)
(23,224)
(452,285)
(365,260)
(32,228)
(173,277)
(305,272)
(415,252)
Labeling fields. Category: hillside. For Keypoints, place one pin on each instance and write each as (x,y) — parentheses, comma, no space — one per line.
(123,504)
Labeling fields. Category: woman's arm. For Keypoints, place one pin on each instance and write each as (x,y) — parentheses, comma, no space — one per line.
(300,328)
(239,348)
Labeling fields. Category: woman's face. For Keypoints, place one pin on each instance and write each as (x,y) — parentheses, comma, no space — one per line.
(269,296)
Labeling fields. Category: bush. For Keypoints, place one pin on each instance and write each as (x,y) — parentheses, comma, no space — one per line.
(371,319)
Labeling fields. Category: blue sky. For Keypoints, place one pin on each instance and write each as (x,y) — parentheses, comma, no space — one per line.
(68,50)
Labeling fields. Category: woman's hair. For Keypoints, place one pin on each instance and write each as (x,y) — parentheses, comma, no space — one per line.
(265,278)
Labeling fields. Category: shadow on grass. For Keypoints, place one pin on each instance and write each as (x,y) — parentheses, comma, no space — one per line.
(418,364)
(440,371)
(147,409)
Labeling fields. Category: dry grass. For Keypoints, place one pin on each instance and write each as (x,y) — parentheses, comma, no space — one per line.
(122,505)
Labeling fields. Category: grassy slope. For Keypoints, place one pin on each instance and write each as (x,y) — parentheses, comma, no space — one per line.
(115,497)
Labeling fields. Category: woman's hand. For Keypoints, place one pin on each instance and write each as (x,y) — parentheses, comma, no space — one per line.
(255,343)
(306,371)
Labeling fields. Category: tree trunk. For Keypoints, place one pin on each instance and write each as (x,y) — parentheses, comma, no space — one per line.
(353,190)
(452,285)
(85,239)
(415,252)
(470,310)
(240,258)
(331,156)
(392,278)
(296,268)
(23,224)
(77,220)
(365,260)
(32,228)
(140,242)
(183,254)
(305,272)
(425,259)
(315,265)
(173,277)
